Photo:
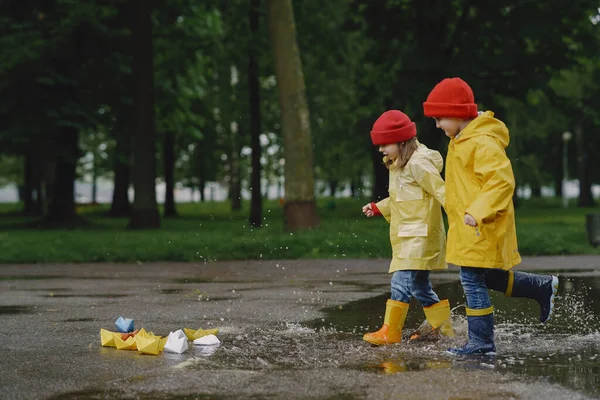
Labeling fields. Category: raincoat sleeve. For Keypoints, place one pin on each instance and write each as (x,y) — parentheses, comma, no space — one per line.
(492,167)
(384,208)
(428,177)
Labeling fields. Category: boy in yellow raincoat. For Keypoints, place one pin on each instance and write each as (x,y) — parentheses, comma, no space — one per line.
(482,237)
(417,232)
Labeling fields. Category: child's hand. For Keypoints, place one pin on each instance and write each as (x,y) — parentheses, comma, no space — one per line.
(469,220)
(368,210)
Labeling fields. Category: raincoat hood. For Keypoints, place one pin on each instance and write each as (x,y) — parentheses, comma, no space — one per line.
(434,157)
(486,124)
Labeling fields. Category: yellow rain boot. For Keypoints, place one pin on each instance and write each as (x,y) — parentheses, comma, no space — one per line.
(391,331)
(438,315)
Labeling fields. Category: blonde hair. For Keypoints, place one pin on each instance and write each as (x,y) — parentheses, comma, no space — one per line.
(407,149)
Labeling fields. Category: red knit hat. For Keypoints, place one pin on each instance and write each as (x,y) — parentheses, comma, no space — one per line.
(451,98)
(393,127)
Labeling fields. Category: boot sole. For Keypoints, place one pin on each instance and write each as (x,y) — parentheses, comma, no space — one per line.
(489,353)
(554,291)
(378,343)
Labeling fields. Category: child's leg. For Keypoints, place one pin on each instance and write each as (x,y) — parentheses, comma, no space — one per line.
(480,315)
(421,288)
(395,312)
(497,279)
(402,285)
(437,312)
(541,288)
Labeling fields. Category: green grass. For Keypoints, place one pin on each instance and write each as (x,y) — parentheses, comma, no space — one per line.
(210,231)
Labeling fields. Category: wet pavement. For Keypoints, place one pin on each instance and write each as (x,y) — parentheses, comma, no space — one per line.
(289,329)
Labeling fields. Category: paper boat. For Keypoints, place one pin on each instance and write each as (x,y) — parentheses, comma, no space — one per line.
(208,340)
(125,336)
(107,338)
(124,325)
(193,335)
(176,342)
(129,344)
(149,343)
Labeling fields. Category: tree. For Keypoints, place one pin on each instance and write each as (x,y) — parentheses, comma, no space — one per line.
(254,102)
(502,48)
(144,213)
(300,209)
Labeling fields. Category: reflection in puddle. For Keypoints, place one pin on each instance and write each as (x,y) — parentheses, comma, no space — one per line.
(12,310)
(565,351)
(101,296)
(30,277)
(79,320)
(396,365)
(169,291)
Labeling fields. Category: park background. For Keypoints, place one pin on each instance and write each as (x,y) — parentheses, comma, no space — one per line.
(239,129)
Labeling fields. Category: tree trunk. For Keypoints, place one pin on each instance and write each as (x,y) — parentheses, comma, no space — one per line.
(62,208)
(94,178)
(201,187)
(536,190)
(300,209)
(235,184)
(558,190)
(586,199)
(254,95)
(354,189)
(121,207)
(145,208)
(169,170)
(27,188)
(41,201)
(382,176)
(333,184)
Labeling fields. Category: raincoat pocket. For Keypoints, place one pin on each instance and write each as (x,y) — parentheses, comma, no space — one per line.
(411,242)
(409,192)
(412,230)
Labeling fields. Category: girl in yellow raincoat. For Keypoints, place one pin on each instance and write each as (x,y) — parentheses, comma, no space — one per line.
(482,237)
(417,232)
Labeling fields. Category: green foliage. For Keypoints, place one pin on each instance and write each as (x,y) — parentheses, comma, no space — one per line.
(11,170)
(210,231)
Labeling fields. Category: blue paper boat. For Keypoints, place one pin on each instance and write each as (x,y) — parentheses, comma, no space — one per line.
(124,325)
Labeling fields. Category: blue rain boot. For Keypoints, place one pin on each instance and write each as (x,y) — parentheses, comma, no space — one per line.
(481,333)
(541,288)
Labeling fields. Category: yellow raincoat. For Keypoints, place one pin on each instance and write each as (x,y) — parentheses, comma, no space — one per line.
(480,182)
(414,211)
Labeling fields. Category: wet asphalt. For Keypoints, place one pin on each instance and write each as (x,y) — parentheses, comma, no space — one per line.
(288,329)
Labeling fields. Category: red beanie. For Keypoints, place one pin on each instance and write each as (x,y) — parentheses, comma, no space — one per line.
(393,127)
(451,98)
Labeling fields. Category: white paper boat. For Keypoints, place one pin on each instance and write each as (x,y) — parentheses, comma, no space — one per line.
(176,342)
(208,340)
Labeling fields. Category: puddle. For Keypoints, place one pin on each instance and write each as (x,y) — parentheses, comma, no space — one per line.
(30,277)
(13,310)
(101,296)
(100,394)
(215,280)
(79,320)
(565,351)
(169,291)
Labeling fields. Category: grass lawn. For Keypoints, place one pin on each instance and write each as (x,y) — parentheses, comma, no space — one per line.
(211,231)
